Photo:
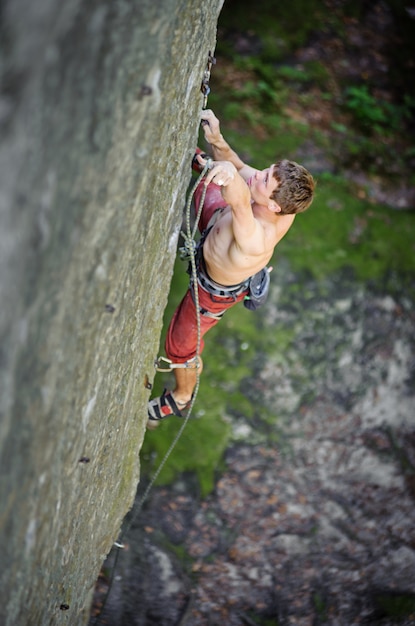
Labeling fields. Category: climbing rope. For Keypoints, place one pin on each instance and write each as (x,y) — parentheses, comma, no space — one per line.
(190,246)
(189,242)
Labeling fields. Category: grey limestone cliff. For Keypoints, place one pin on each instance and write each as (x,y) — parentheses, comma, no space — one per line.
(99,109)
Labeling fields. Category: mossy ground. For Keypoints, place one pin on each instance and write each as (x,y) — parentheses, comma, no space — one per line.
(344,229)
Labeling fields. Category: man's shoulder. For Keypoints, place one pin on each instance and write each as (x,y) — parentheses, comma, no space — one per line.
(283,225)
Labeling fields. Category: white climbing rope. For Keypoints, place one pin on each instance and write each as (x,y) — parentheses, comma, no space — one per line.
(190,245)
(189,238)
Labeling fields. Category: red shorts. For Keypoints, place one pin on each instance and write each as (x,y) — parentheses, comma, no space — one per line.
(181,340)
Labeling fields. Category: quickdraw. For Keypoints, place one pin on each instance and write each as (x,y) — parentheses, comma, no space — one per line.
(204,88)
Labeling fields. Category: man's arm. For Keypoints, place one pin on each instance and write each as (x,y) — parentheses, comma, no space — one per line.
(235,192)
(220,147)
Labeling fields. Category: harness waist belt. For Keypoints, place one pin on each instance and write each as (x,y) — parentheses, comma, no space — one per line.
(217,289)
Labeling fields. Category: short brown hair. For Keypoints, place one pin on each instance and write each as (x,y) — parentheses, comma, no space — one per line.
(295,190)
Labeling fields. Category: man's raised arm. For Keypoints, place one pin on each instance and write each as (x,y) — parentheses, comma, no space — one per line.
(220,147)
(236,193)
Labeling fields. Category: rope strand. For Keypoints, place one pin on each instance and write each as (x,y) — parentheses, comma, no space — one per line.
(189,241)
(189,236)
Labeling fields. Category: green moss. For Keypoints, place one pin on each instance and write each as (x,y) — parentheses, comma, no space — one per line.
(394,604)
(199,449)
(343,229)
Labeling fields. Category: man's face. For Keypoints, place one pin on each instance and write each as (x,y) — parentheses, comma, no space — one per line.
(262,184)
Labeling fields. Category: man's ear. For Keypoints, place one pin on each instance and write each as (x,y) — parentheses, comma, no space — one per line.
(274,207)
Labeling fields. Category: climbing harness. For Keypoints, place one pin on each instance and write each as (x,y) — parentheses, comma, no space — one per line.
(216,289)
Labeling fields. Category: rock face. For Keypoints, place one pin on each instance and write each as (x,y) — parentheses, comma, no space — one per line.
(99,117)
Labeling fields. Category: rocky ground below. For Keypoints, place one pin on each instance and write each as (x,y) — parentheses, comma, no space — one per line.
(312,520)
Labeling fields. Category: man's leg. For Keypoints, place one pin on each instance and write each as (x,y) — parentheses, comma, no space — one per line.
(186,379)
(180,347)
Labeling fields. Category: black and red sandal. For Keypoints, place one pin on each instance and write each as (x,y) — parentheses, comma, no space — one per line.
(165,406)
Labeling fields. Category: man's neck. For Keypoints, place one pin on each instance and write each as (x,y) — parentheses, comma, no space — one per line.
(276,223)
(263,212)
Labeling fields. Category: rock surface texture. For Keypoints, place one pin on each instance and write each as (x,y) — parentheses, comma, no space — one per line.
(99,117)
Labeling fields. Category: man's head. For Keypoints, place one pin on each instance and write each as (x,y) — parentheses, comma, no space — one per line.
(295,190)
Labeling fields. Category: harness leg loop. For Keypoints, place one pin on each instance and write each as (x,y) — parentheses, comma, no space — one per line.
(190,364)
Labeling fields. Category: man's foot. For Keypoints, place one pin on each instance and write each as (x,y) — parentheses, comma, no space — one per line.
(196,167)
(165,406)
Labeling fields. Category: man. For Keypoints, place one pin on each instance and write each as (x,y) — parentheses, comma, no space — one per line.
(245,214)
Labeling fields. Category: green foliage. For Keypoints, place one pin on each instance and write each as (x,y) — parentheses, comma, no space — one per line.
(264,90)
(374,115)
(367,109)
(397,605)
(320,606)
(272,85)
(280,27)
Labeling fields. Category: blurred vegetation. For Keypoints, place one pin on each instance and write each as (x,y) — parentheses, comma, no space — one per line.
(281,89)
(349,60)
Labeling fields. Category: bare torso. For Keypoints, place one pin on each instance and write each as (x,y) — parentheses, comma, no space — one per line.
(229,263)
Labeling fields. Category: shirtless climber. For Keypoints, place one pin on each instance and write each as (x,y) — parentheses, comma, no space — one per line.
(245,214)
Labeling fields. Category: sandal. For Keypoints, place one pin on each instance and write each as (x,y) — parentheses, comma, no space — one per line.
(164,406)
